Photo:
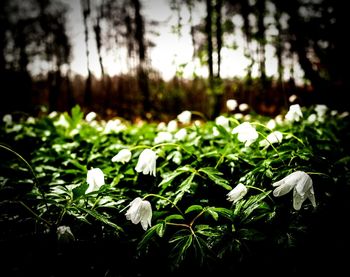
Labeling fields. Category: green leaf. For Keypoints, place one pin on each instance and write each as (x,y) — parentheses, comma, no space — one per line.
(214,175)
(207,231)
(174,216)
(213,213)
(150,233)
(80,190)
(168,178)
(184,187)
(101,218)
(224,212)
(161,229)
(194,208)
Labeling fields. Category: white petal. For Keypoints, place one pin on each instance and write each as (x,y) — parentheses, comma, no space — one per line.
(298,200)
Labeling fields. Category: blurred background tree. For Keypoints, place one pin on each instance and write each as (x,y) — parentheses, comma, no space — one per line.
(36,56)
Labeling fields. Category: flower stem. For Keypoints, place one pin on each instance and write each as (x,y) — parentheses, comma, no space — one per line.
(164,198)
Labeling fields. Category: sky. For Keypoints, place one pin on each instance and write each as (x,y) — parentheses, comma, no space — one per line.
(170,51)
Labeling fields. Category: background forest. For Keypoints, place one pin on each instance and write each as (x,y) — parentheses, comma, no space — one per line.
(36,56)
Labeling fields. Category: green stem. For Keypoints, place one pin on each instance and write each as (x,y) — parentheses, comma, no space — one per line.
(259,189)
(35,215)
(36,182)
(196,217)
(164,198)
(177,224)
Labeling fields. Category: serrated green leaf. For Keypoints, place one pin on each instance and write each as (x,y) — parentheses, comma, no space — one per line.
(214,175)
(101,218)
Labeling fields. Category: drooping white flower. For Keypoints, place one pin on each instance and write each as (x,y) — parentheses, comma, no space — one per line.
(95,179)
(243,107)
(147,162)
(237,193)
(123,156)
(246,133)
(301,184)
(294,113)
(90,116)
(140,211)
(172,126)
(279,119)
(185,117)
(273,137)
(64,233)
(231,104)
(223,121)
(181,134)
(30,120)
(163,137)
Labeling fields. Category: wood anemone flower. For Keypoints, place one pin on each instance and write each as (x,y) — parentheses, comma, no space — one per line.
(95,179)
(301,184)
(147,162)
(237,193)
(140,211)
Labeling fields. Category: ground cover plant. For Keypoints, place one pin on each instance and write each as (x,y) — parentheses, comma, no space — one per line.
(244,193)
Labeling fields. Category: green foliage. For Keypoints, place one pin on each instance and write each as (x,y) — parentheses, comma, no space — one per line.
(192,219)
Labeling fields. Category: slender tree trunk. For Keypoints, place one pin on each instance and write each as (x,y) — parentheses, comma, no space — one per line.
(140,40)
(209,33)
(85,6)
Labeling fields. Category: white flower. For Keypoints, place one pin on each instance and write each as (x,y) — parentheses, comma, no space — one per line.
(62,121)
(163,137)
(95,179)
(140,211)
(64,233)
(30,120)
(237,193)
(273,137)
(114,126)
(53,114)
(246,133)
(7,118)
(231,104)
(321,110)
(161,126)
(172,126)
(147,162)
(177,157)
(312,118)
(181,135)
(294,113)
(271,124)
(223,121)
(344,114)
(334,112)
(185,117)
(279,119)
(301,184)
(292,98)
(123,156)
(90,116)
(238,116)
(216,132)
(243,107)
